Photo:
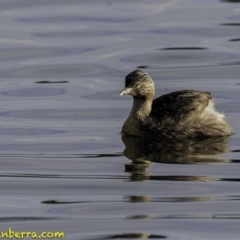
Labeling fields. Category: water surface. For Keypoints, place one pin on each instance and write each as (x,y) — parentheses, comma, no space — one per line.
(65,166)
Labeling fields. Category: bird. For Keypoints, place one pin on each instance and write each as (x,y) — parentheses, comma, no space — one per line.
(179,114)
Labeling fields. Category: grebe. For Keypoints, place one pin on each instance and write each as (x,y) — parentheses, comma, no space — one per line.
(186,113)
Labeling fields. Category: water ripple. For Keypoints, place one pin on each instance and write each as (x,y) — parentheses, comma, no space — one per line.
(34,92)
(76,114)
(77,34)
(81,19)
(60,70)
(26,53)
(43,82)
(24,219)
(192,58)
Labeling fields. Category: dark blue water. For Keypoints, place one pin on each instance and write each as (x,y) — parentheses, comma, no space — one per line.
(65,166)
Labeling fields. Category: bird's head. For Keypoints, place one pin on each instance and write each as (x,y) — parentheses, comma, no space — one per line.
(139,84)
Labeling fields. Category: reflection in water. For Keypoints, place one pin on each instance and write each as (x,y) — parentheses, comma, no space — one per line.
(231,24)
(52,82)
(174,151)
(231,1)
(137,199)
(142,152)
(234,40)
(148,216)
(134,236)
(184,48)
(173,199)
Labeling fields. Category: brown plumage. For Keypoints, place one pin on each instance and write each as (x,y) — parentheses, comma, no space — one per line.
(186,113)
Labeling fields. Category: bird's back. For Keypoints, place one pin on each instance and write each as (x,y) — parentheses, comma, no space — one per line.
(187,113)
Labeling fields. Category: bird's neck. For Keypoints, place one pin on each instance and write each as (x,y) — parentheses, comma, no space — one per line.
(141,108)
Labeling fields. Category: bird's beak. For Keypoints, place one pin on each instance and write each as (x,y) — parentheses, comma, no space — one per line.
(125,91)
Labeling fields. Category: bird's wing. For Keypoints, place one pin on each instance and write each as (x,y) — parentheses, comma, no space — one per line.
(179,107)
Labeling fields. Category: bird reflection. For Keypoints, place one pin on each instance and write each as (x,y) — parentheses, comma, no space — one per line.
(134,236)
(143,152)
